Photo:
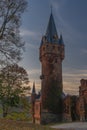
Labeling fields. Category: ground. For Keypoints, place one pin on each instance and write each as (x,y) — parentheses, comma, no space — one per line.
(72,126)
(6,124)
(25,125)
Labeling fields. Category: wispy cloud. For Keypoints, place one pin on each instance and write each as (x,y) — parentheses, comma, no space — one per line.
(62,25)
(34,71)
(25,32)
(71,80)
(34,75)
(31,38)
(30,34)
(57,3)
(84,51)
(76,76)
(70,87)
(30,45)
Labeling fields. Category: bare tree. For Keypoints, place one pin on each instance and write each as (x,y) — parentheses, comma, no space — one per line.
(11,44)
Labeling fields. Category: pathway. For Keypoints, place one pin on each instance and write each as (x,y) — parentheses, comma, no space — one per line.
(72,126)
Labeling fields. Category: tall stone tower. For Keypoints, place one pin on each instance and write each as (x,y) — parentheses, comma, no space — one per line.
(51,57)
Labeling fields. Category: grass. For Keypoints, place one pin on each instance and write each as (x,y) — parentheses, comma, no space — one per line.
(18,116)
(6,124)
(20,121)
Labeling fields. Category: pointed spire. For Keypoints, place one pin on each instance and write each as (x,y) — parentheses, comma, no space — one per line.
(61,40)
(33,89)
(51,32)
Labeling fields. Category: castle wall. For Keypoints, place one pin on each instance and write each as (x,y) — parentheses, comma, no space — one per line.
(47,117)
(37,112)
(67,109)
(83,100)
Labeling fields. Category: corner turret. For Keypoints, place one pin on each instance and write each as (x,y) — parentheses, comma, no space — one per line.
(33,98)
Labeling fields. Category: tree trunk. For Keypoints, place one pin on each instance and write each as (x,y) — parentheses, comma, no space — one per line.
(5,110)
(4,114)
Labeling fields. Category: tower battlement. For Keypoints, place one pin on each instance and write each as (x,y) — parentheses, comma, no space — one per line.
(55,49)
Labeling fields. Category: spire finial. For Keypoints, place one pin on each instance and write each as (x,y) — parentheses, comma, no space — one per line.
(51,8)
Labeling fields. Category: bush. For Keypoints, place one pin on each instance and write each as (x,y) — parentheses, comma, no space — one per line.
(23,116)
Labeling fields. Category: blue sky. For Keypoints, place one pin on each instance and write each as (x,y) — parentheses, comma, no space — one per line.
(71,20)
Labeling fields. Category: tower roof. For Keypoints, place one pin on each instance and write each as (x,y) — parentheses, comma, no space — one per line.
(51,32)
(33,89)
(61,40)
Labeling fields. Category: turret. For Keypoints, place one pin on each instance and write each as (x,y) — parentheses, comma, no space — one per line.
(33,94)
(33,97)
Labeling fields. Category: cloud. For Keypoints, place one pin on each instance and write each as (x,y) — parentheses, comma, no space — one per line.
(34,77)
(31,38)
(71,80)
(34,71)
(84,51)
(25,32)
(34,74)
(33,46)
(63,26)
(75,76)
(76,73)
(70,87)
(29,33)
(57,3)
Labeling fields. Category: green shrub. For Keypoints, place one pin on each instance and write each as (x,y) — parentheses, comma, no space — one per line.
(18,116)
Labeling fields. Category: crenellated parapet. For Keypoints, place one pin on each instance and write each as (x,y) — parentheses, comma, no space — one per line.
(83,87)
(55,49)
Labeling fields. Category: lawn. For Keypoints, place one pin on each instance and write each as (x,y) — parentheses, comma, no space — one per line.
(19,121)
(6,124)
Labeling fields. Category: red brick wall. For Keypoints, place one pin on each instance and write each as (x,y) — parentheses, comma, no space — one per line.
(37,112)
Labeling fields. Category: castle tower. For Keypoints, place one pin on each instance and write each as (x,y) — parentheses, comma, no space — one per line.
(51,57)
